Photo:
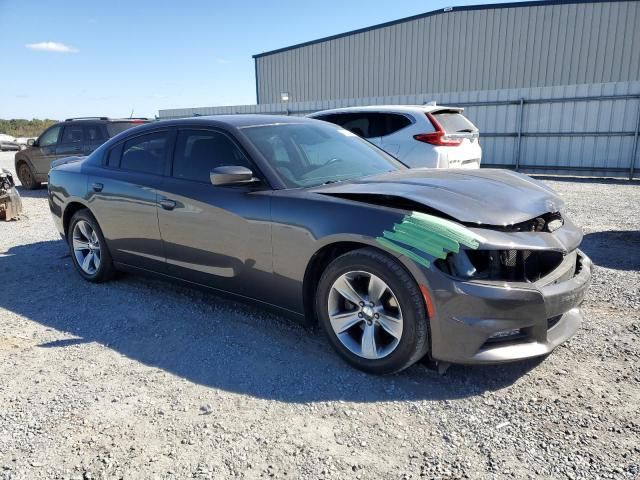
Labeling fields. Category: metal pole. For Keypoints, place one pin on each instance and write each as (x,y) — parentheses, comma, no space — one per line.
(519,132)
(634,149)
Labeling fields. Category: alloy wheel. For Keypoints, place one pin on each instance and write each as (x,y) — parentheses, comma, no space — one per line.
(365,315)
(86,247)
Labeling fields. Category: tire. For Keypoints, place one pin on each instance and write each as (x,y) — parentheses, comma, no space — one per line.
(98,267)
(368,343)
(26,177)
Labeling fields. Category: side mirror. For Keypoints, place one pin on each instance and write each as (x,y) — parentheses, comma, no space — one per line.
(230,175)
(31,142)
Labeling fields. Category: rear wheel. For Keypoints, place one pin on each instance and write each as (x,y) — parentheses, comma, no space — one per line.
(26,177)
(89,251)
(372,311)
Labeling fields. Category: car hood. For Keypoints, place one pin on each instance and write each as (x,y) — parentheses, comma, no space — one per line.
(484,196)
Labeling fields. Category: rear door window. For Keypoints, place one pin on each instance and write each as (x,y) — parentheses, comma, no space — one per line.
(198,152)
(359,124)
(394,122)
(145,154)
(72,134)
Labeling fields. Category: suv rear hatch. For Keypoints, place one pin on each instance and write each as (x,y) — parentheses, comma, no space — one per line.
(452,129)
(119,126)
(453,124)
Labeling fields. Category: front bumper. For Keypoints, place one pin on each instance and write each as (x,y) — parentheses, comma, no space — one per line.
(496,322)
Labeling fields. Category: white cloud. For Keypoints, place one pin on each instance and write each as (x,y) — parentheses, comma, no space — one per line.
(51,47)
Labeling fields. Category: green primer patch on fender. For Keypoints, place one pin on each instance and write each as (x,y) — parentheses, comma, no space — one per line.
(424,238)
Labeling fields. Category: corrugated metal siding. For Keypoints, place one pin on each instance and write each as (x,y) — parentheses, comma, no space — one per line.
(465,50)
(614,115)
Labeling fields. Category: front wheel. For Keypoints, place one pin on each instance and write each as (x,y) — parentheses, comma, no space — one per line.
(372,312)
(26,177)
(89,251)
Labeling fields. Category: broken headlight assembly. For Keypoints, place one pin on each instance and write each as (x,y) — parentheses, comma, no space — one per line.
(501,265)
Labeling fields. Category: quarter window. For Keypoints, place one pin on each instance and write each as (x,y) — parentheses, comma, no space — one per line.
(200,151)
(50,137)
(145,153)
(113,158)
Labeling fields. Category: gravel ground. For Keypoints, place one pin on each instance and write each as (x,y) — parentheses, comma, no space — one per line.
(140,378)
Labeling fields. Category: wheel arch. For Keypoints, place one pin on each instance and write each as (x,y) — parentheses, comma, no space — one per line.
(321,259)
(69,212)
(21,158)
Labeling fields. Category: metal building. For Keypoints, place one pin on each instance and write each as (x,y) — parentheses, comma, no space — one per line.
(554,86)
(485,47)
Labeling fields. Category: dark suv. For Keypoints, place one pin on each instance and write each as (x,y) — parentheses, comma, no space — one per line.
(73,137)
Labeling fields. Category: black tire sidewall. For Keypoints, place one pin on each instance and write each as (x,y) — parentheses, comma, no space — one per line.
(414,341)
(32,185)
(105,271)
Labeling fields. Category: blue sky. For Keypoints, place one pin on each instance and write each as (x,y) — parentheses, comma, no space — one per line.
(81,58)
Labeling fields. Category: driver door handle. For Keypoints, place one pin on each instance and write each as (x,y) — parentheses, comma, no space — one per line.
(168,204)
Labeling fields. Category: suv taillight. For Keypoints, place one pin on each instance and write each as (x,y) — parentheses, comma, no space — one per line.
(439,137)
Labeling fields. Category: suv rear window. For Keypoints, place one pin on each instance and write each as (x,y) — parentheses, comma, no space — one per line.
(453,122)
(114,128)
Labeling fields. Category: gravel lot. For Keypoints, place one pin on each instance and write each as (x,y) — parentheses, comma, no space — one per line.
(140,378)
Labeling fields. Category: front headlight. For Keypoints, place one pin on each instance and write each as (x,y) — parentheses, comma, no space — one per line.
(501,265)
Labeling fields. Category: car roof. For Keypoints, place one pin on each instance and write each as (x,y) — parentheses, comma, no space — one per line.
(238,121)
(105,120)
(388,109)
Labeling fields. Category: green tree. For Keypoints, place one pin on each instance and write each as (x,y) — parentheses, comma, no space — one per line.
(19,127)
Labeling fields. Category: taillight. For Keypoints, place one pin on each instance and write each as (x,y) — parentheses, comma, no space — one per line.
(439,137)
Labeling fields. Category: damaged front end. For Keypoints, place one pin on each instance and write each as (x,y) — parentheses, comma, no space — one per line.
(10,202)
(501,267)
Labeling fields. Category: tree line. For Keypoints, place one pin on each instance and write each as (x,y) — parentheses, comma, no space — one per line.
(19,127)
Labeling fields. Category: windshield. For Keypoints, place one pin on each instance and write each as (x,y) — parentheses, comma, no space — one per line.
(308,154)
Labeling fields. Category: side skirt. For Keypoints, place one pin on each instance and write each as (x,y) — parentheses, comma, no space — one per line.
(290,314)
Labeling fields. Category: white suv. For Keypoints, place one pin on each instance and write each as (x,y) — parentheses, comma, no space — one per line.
(431,136)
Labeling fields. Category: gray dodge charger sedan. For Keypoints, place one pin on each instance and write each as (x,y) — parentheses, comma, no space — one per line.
(305,217)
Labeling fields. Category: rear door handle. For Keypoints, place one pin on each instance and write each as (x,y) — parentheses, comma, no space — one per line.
(97,187)
(168,204)
(77,149)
